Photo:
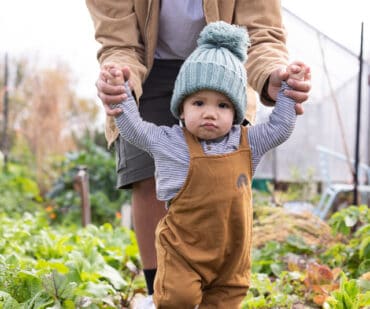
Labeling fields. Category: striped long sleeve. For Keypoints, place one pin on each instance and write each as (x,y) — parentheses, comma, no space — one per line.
(170,152)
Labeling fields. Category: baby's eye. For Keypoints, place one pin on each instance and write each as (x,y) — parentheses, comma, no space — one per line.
(198,103)
(224,105)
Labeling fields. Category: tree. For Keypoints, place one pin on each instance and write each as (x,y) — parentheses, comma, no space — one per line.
(46,114)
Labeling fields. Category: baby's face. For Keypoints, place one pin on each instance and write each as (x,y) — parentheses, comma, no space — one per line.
(208,114)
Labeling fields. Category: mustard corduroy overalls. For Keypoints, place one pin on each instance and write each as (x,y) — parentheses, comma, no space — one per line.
(204,242)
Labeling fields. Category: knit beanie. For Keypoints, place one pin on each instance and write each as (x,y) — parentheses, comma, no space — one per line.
(216,64)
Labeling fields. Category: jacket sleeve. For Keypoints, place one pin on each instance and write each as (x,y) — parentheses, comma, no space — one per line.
(268,51)
(116,29)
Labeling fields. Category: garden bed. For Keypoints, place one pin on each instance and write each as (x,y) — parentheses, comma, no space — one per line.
(308,264)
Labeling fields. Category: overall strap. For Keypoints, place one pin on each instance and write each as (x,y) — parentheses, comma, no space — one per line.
(195,148)
(244,142)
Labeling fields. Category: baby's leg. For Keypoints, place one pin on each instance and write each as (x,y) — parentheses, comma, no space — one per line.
(223,297)
(176,284)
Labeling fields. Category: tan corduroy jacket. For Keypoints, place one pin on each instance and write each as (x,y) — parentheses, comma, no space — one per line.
(127,31)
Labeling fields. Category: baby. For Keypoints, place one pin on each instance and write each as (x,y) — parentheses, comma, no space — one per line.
(204,169)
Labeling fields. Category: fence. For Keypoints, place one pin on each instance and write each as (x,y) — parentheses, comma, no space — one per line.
(330,113)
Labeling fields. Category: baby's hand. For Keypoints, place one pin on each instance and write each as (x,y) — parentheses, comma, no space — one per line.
(296,71)
(116,77)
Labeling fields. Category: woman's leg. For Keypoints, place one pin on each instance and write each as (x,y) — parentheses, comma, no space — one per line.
(147,211)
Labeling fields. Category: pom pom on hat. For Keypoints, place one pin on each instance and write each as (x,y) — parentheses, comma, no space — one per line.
(216,64)
(221,34)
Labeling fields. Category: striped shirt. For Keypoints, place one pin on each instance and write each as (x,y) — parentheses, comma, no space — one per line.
(168,147)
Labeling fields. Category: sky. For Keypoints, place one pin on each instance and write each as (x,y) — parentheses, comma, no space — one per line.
(48,30)
(337,19)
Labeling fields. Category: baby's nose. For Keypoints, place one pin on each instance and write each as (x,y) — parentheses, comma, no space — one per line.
(210,112)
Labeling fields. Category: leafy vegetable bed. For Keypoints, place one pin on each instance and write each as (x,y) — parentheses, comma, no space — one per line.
(301,262)
(44,267)
(99,267)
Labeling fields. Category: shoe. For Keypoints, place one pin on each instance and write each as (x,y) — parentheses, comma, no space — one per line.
(142,302)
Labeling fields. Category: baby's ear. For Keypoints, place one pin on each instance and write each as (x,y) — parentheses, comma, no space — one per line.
(181,112)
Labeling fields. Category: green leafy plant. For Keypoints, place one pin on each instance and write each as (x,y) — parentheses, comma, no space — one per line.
(19,191)
(283,292)
(44,266)
(105,199)
(352,254)
(348,220)
(349,295)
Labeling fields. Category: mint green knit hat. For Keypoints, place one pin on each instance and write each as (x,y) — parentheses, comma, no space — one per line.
(216,64)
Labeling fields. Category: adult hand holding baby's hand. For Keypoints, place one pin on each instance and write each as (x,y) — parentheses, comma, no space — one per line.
(298,77)
(111,88)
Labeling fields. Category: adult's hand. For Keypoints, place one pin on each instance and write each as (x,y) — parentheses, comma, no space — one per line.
(109,92)
(300,87)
